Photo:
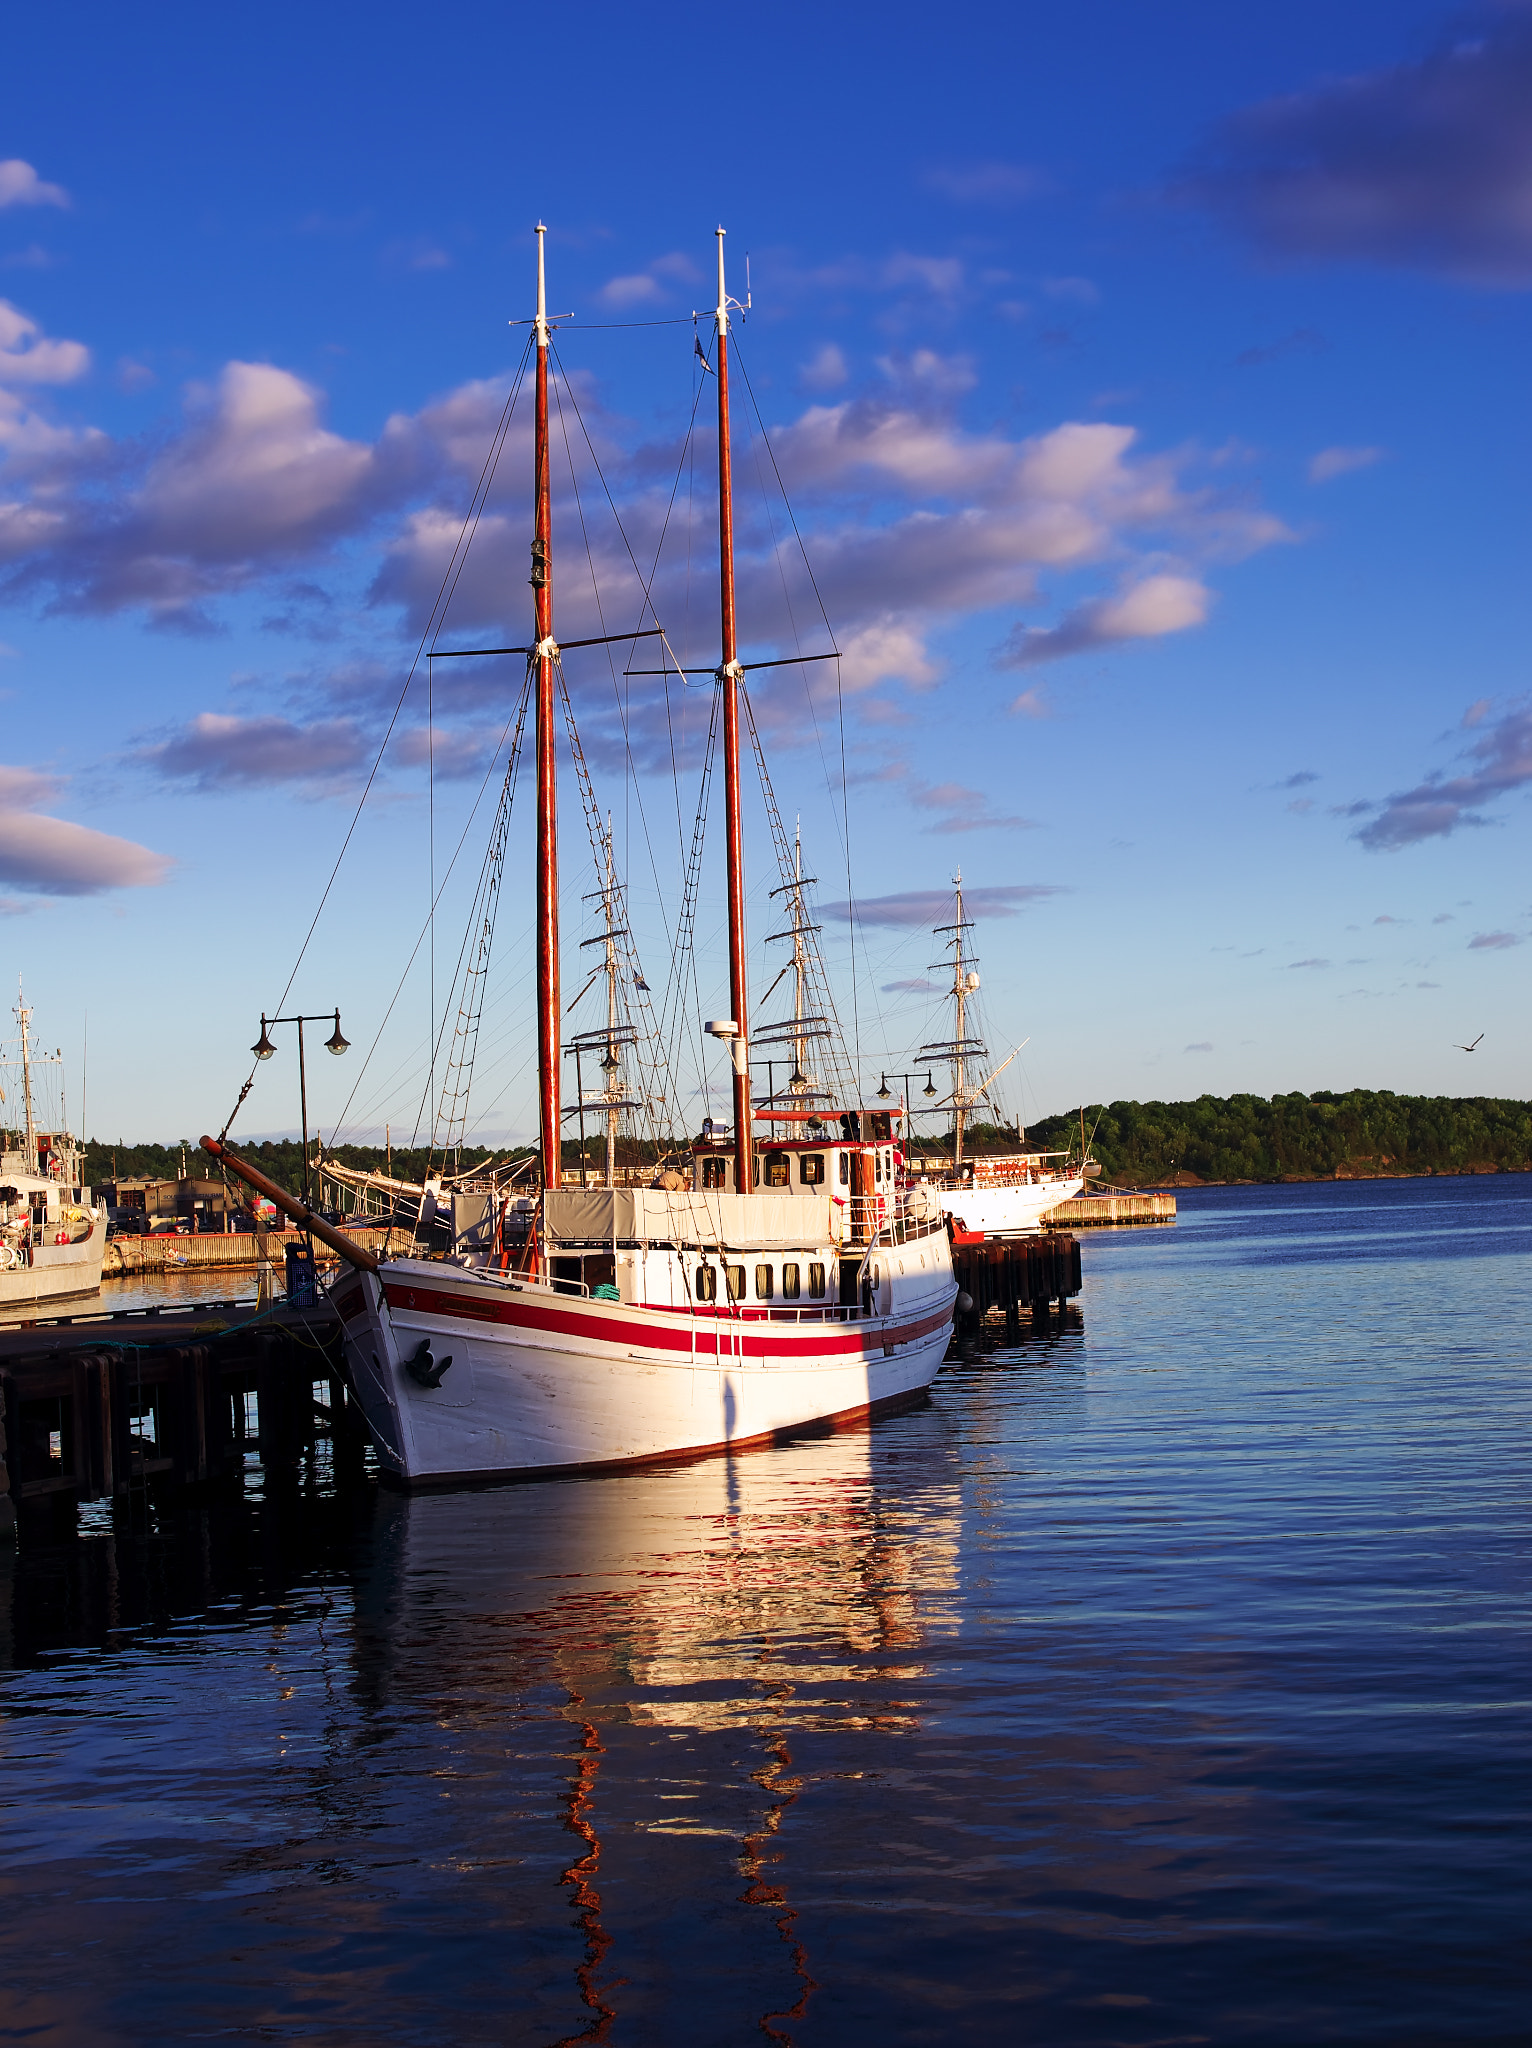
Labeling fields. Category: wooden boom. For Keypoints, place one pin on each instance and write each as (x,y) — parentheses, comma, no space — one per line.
(301,1214)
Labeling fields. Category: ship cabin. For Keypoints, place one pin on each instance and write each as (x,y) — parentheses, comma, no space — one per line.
(852,1155)
(802,1258)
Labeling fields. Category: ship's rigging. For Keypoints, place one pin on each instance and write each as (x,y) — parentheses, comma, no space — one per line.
(640,1046)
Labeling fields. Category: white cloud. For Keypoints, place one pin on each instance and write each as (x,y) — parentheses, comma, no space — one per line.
(21,186)
(824,371)
(1425,165)
(912,521)
(911,908)
(46,856)
(217,751)
(1146,610)
(883,651)
(623,292)
(27,357)
(1333,462)
(1499,764)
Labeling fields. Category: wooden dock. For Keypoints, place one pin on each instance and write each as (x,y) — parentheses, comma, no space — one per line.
(1003,1275)
(1095,1211)
(102,1405)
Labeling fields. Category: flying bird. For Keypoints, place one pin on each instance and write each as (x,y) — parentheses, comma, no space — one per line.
(1469,1048)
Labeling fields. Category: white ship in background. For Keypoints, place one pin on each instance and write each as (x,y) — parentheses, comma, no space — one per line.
(52,1235)
(985,1194)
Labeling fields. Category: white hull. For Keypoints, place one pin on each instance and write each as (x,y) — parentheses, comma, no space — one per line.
(543,1381)
(1007,1211)
(57,1272)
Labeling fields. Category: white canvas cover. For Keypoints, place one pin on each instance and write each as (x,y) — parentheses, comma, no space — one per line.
(760,1222)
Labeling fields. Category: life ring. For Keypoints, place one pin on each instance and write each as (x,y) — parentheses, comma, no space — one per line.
(61,1237)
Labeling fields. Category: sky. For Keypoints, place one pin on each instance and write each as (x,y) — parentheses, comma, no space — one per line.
(1146,388)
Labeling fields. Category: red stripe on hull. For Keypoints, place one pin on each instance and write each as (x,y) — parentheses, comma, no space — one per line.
(605,1328)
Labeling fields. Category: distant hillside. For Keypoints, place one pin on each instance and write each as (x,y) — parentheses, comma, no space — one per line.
(1298,1137)
(1239,1137)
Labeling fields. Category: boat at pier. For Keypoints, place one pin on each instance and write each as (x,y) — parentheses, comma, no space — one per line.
(752,1288)
(985,1194)
(52,1233)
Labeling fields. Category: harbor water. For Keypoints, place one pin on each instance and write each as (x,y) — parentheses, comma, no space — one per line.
(1162,1679)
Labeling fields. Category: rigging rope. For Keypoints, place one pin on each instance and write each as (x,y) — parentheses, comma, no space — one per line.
(450,576)
(840,710)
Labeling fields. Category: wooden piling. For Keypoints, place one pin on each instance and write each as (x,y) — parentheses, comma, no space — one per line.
(1006,1274)
(82,1419)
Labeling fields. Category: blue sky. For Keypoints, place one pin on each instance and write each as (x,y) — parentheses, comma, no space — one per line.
(1149,388)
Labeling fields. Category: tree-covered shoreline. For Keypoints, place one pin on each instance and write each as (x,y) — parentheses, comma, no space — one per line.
(1324,1136)
(1246,1138)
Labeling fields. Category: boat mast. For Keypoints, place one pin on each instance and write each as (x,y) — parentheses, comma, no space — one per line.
(800,1076)
(959,1050)
(544,655)
(960,996)
(610,1062)
(25,1015)
(729,673)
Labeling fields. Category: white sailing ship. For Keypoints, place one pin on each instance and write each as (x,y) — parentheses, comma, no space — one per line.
(52,1234)
(985,1194)
(767,1287)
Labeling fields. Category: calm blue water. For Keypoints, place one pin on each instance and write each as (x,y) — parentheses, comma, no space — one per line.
(1163,1681)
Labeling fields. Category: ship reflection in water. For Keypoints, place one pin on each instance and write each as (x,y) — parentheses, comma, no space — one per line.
(690,1629)
(371,1765)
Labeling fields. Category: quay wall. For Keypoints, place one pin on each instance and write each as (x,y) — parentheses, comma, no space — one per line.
(1098,1210)
(168,1254)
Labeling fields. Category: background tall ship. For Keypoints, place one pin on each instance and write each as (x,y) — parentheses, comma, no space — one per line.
(985,1193)
(750,1288)
(52,1234)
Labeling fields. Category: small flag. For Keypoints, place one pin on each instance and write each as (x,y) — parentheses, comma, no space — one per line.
(701,356)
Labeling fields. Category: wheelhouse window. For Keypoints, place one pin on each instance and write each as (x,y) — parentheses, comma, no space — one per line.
(811,1169)
(736,1282)
(707,1283)
(790,1284)
(778,1170)
(715,1171)
(764,1288)
(817,1281)
(845,1168)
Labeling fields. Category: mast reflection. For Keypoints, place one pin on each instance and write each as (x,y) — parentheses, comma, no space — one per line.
(771,1595)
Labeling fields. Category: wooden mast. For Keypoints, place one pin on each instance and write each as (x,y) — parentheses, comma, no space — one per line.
(729,673)
(548,999)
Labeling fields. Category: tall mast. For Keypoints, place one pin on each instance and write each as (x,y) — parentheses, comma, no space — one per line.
(959,1050)
(800,1076)
(729,673)
(25,1016)
(610,1062)
(960,1060)
(548,1001)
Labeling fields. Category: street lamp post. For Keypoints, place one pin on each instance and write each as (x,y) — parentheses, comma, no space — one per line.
(910,1112)
(263,1050)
